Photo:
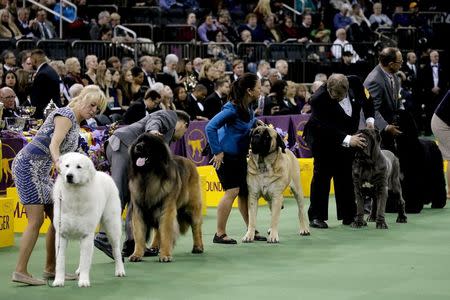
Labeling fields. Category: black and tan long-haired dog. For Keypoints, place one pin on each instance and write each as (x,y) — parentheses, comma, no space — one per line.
(271,169)
(165,193)
(375,172)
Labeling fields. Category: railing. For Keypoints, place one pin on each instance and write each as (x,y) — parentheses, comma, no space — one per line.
(59,15)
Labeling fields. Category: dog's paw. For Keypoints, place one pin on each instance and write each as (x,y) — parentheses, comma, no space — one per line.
(120,271)
(135,258)
(167,258)
(84,283)
(371,218)
(249,237)
(304,232)
(402,219)
(58,283)
(197,249)
(358,224)
(382,225)
(273,238)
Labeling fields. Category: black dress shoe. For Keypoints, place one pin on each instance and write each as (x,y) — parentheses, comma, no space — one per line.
(128,248)
(101,242)
(221,240)
(316,223)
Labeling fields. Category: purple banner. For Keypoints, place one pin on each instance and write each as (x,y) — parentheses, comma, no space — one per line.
(298,124)
(10,147)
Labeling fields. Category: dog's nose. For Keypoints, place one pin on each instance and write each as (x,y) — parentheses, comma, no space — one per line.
(69,178)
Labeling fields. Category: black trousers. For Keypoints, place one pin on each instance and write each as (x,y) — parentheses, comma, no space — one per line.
(337,165)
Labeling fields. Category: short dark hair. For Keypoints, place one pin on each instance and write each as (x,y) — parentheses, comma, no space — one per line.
(152,94)
(135,71)
(220,82)
(182,115)
(388,55)
(200,88)
(38,52)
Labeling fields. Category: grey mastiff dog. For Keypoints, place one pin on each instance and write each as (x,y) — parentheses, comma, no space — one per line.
(271,169)
(376,172)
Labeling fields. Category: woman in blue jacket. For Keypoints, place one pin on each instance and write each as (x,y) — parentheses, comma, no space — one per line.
(228,136)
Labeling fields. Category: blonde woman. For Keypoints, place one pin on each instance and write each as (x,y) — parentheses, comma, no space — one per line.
(73,75)
(8,29)
(90,77)
(208,75)
(31,170)
(262,10)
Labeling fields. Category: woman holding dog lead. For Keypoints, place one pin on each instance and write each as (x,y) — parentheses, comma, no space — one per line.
(31,169)
(228,136)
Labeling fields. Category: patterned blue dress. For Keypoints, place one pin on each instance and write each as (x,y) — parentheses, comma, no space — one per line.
(32,166)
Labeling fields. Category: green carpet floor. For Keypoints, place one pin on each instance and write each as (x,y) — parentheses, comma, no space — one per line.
(408,261)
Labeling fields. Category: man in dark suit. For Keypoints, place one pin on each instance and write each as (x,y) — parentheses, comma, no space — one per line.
(147,64)
(433,85)
(196,108)
(139,109)
(215,101)
(383,85)
(42,28)
(45,86)
(331,135)
(410,85)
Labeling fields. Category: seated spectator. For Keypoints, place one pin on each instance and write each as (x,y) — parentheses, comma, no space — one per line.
(137,94)
(114,62)
(289,29)
(263,69)
(207,77)
(103,19)
(43,29)
(360,27)
(7,97)
(224,24)
(321,34)
(341,44)
(221,67)
(238,70)
(23,86)
(251,24)
(180,98)
(291,96)
(9,61)
(187,34)
(262,10)
(400,18)
(303,97)
(89,76)
(139,109)
(73,75)
(246,36)
(215,101)
(170,76)
(273,76)
(342,18)
(272,33)
(196,108)
(305,28)
(167,99)
(24,57)
(205,27)
(277,103)
(8,30)
(283,68)
(23,22)
(378,19)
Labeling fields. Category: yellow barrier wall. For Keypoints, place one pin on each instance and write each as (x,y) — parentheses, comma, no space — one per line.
(20,216)
(6,222)
(213,189)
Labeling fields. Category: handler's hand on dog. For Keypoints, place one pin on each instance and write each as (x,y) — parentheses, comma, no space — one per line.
(155,132)
(217,160)
(358,141)
(393,130)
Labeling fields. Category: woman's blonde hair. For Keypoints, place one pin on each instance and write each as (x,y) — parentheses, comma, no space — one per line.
(87,94)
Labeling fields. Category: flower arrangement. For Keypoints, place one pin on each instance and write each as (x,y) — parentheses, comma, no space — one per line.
(92,142)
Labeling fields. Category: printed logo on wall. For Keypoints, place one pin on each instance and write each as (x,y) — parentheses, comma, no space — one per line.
(196,141)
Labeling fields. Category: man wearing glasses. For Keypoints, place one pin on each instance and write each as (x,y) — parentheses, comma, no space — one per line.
(383,85)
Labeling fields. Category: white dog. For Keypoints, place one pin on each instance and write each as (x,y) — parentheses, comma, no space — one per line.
(83,197)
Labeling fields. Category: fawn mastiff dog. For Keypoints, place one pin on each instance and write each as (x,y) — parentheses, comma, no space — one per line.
(271,168)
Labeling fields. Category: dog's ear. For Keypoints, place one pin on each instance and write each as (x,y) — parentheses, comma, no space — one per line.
(280,143)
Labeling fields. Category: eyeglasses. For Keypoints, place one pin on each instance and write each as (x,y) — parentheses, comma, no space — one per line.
(398,62)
